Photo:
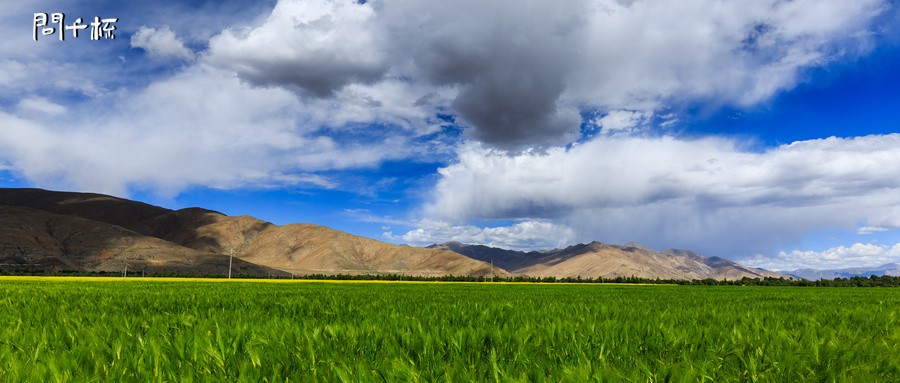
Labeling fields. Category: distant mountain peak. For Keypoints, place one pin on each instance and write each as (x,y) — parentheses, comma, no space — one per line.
(598,259)
(892,269)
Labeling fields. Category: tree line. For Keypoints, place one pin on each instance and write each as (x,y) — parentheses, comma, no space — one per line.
(871,281)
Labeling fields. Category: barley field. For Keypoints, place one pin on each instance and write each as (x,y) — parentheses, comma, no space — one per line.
(115,330)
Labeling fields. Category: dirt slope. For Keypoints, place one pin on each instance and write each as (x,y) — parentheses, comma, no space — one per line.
(37,241)
(311,249)
(196,228)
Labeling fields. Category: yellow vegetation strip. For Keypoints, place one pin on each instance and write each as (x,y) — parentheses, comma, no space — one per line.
(267,280)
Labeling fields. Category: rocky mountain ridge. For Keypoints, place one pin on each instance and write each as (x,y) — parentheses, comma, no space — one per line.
(51,231)
(596,259)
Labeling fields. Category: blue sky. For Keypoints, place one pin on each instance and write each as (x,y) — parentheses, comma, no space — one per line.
(764,132)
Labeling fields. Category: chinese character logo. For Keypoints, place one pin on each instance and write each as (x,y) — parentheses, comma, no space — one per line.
(54,23)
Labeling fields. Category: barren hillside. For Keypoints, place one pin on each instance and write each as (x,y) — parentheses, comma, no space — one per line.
(595,259)
(37,241)
(93,232)
(160,232)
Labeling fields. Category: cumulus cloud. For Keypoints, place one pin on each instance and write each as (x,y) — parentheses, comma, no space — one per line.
(707,194)
(311,46)
(202,126)
(161,43)
(522,71)
(525,235)
(519,75)
(856,255)
(740,53)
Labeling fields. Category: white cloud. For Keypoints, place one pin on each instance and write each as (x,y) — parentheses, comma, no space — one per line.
(620,120)
(525,235)
(161,43)
(739,52)
(31,79)
(865,230)
(277,180)
(365,215)
(706,194)
(12,72)
(199,127)
(315,46)
(856,255)
(41,105)
(392,101)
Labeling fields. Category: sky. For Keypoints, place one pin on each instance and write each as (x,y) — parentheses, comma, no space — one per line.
(765,132)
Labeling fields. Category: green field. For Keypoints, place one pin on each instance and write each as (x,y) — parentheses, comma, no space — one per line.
(131,330)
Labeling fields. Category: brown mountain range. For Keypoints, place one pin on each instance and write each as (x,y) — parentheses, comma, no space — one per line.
(49,231)
(595,260)
(55,231)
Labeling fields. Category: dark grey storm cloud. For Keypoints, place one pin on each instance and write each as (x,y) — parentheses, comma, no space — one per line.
(509,63)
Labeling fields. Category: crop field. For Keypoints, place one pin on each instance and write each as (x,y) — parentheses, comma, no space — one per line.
(201,330)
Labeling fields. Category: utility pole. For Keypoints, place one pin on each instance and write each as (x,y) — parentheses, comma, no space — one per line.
(125,273)
(492,269)
(230,258)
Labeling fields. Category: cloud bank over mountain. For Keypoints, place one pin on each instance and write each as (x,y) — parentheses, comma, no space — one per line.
(708,193)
